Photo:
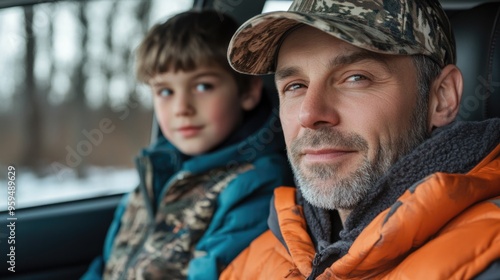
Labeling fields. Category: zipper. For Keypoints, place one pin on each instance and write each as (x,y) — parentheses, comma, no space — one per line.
(316,269)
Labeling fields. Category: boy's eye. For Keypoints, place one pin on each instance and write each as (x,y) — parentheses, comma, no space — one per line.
(165,92)
(204,87)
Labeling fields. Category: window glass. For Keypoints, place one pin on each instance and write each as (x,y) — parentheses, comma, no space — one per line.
(276,5)
(72,115)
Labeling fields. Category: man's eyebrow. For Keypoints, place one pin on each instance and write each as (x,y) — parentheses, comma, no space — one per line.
(358,56)
(285,72)
(338,61)
(341,60)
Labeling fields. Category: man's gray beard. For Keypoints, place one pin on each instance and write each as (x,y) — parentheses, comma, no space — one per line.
(347,192)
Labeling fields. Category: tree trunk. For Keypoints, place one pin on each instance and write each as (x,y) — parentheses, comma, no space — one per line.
(32,140)
(79,80)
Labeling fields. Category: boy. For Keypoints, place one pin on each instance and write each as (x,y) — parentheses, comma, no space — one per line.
(207,181)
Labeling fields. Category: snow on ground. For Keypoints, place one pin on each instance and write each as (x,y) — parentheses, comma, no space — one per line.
(33,191)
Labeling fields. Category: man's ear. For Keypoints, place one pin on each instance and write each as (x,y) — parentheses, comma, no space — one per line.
(445,96)
(251,96)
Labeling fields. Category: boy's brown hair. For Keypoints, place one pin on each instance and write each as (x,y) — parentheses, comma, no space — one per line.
(186,41)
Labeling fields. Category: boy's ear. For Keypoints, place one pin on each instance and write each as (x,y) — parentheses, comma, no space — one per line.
(445,96)
(251,97)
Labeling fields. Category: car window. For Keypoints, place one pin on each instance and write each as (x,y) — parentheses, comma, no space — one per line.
(276,5)
(72,116)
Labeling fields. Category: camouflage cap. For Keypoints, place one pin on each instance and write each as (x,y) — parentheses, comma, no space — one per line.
(404,27)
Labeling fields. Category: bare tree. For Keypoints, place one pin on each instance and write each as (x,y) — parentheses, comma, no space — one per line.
(142,14)
(108,70)
(79,80)
(47,85)
(32,140)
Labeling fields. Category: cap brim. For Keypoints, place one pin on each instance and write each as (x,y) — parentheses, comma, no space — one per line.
(254,45)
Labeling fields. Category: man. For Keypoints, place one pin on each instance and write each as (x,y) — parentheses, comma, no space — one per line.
(389,184)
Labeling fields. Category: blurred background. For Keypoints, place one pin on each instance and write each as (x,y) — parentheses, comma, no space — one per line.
(72,120)
(72,116)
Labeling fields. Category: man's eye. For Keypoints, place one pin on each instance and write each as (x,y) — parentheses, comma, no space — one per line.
(293,87)
(356,78)
(165,92)
(204,87)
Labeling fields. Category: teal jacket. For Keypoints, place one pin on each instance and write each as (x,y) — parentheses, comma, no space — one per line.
(251,164)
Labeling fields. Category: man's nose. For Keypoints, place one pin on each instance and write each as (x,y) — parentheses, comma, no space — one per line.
(318,108)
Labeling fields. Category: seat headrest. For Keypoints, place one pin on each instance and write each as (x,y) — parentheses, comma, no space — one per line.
(477,33)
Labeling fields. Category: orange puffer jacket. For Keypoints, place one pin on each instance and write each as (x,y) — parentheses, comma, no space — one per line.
(448,228)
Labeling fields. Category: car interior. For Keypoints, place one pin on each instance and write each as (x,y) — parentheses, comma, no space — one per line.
(477,33)
(58,241)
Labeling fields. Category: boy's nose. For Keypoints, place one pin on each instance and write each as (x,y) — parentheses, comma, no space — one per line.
(183,105)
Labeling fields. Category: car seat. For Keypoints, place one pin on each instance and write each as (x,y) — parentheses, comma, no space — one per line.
(477,33)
